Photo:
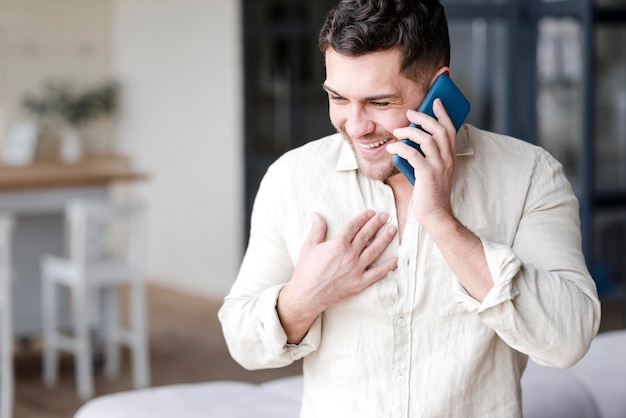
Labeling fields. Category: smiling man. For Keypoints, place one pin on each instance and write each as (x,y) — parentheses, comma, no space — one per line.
(407,301)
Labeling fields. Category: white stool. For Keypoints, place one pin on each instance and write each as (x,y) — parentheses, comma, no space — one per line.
(105,251)
(6,320)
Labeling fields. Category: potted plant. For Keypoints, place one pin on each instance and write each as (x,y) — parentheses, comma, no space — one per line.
(73,109)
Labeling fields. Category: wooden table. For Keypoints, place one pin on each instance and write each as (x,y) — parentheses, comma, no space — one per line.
(52,173)
(36,195)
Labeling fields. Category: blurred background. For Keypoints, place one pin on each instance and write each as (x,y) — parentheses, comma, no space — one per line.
(202,95)
(179,115)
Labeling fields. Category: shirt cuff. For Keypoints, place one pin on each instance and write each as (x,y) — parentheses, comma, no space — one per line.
(503,266)
(273,335)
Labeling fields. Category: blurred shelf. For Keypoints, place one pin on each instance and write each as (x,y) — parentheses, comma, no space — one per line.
(52,173)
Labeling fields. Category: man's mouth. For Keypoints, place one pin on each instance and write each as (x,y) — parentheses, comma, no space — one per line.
(375,144)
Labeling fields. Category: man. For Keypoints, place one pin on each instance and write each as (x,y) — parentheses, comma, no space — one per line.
(407,301)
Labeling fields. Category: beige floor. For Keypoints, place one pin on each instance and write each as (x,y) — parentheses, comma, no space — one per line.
(186,346)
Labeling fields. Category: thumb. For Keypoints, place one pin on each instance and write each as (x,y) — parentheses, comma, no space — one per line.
(317,234)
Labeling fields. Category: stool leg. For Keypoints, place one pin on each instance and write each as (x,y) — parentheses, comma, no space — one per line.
(49,324)
(6,368)
(139,333)
(84,366)
(111,335)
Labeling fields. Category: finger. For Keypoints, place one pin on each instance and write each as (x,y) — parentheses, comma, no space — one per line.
(415,133)
(352,228)
(438,142)
(378,245)
(430,147)
(407,152)
(376,273)
(369,231)
(447,142)
(435,144)
(317,233)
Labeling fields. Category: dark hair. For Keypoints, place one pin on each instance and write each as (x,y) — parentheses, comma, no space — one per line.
(418,27)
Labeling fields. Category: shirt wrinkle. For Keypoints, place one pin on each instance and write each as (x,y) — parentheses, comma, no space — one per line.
(415,344)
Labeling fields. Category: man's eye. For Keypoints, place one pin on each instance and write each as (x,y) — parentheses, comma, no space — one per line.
(336,98)
(379,104)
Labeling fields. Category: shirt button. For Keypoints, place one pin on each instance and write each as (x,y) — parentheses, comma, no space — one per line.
(400,380)
(401,322)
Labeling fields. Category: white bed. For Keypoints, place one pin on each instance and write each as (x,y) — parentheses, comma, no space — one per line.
(593,388)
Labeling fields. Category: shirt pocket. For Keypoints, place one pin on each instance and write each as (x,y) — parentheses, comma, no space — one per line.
(444,291)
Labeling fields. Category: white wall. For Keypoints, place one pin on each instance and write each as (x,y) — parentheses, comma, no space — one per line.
(64,41)
(179,62)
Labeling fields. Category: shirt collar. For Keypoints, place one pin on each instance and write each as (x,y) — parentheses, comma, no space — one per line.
(463,143)
(347,160)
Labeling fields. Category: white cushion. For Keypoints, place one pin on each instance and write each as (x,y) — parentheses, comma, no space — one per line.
(593,388)
(224,399)
(551,393)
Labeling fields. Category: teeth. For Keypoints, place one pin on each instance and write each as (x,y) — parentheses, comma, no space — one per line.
(375,144)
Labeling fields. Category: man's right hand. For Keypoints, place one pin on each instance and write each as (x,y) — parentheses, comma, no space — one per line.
(328,272)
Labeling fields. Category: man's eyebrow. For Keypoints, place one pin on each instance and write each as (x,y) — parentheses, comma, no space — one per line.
(375,98)
(329,90)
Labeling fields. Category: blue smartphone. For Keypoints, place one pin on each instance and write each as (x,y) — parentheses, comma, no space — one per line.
(456,105)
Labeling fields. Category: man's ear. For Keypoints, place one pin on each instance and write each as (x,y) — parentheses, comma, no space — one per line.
(442,70)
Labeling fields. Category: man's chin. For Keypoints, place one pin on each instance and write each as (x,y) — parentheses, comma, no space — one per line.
(380,174)
(375,170)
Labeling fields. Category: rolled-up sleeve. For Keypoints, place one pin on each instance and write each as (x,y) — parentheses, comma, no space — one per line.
(249,319)
(255,336)
(544,302)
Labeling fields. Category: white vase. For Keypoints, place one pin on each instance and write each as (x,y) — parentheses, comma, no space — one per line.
(71,149)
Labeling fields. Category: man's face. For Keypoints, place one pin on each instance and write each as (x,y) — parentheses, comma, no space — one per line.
(368,98)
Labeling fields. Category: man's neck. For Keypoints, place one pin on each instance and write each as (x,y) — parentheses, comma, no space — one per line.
(402,192)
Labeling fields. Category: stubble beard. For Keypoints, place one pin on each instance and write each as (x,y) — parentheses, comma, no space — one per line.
(376,169)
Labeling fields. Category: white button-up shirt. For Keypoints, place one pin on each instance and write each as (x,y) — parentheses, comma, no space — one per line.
(415,344)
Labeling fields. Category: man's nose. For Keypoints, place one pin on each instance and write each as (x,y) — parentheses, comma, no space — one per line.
(359,123)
